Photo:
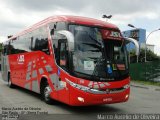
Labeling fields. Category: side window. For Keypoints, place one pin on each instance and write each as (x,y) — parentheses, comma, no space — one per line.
(27,42)
(55,46)
(52,27)
(61,26)
(33,38)
(21,44)
(15,46)
(32,43)
(3,49)
(39,41)
(55,26)
(4,52)
(6,48)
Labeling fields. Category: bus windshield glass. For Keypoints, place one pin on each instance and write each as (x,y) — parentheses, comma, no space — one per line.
(96,58)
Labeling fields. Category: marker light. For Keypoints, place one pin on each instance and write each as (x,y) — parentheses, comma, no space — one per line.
(80,99)
(126,96)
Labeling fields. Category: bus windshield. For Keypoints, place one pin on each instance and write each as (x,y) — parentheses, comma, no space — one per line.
(96,58)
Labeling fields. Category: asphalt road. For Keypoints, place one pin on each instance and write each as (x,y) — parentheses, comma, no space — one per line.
(141,101)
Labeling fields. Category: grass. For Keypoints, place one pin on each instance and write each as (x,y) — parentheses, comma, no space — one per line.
(147,82)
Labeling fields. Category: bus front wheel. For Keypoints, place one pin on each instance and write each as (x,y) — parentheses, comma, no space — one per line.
(46,93)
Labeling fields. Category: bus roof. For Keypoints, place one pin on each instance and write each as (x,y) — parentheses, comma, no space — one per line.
(71,19)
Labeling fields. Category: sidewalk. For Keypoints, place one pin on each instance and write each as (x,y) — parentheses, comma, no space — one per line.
(141,85)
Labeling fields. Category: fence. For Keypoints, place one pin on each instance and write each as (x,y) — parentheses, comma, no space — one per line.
(149,71)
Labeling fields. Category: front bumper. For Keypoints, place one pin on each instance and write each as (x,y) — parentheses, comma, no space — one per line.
(81,98)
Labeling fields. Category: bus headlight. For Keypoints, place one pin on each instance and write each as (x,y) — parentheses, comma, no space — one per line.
(126,86)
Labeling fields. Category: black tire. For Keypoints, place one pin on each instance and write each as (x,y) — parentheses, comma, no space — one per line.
(10,84)
(46,93)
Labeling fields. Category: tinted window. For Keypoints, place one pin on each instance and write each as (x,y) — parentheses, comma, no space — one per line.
(57,26)
(52,27)
(60,26)
(33,41)
(20,44)
(6,48)
(39,40)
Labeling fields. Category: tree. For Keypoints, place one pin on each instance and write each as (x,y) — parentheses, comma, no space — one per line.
(150,56)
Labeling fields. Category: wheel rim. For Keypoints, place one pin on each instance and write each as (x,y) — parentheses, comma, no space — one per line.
(47,91)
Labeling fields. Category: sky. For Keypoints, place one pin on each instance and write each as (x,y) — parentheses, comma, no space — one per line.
(16,15)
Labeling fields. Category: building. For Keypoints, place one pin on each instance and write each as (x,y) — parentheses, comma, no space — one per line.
(149,47)
(140,35)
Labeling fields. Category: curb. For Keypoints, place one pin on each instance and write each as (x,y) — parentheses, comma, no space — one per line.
(139,86)
(146,87)
(157,89)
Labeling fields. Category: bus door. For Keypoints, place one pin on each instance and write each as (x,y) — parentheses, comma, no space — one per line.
(63,92)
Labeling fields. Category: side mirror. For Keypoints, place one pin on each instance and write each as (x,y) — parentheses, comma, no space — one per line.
(70,38)
(135,43)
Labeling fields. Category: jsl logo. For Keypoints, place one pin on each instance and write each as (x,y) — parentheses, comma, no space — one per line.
(20,59)
(115,34)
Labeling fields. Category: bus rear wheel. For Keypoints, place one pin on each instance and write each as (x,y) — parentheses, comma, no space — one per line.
(46,93)
(10,84)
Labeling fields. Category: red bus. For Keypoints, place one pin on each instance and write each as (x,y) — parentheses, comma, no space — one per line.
(75,60)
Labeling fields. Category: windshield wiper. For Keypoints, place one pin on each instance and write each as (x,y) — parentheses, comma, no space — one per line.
(93,45)
(94,50)
(95,69)
(98,42)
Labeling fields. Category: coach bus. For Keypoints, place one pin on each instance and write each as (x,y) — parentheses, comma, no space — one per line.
(75,60)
